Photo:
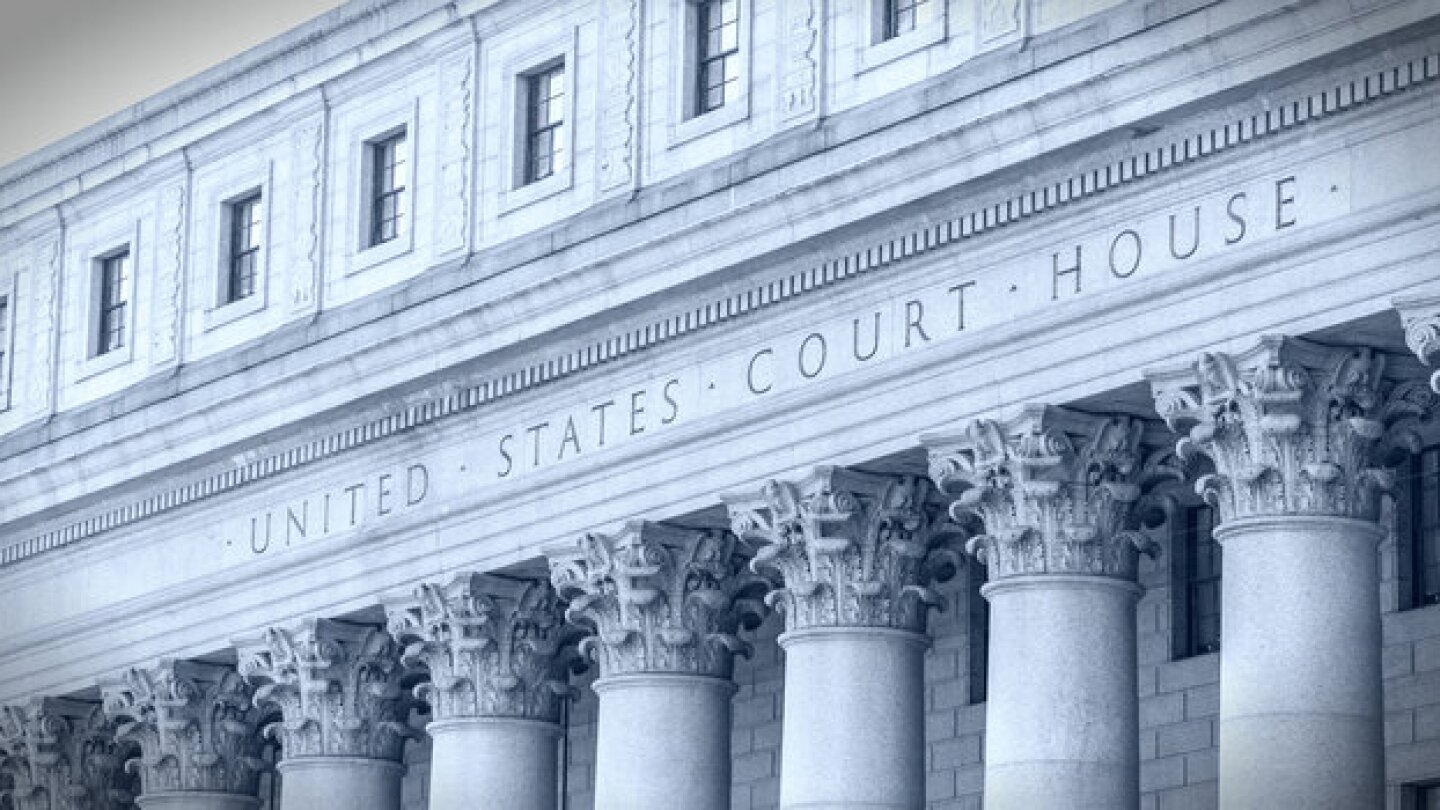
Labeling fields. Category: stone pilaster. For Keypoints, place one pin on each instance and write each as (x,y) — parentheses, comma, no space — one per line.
(857,554)
(1055,489)
(1300,436)
(63,755)
(666,606)
(1292,427)
(853,549)
(660,599)
(196,725)
(499,655)
(1421,319)
(1057,493)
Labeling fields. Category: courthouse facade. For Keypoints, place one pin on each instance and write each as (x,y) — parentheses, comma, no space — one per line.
(705,404)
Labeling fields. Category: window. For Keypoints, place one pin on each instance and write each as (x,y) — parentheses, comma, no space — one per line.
(4,352)
(979,638)
(244,254)
(901,17)
(717,54)
(114,286)
(1196,582)
(389,182)
(544,122)
(1420,797)
(1423,513)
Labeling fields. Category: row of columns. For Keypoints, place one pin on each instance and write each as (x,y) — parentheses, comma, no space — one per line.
(1289,441)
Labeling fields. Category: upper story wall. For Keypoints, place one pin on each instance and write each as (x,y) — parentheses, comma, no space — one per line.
(291,121)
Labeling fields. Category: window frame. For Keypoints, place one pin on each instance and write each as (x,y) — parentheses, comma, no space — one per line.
(256,197)
(877,47)
(1411,529)
(103,305)
(532,129)
(514,193)
(389,151)
(362,137)
(1184,643)
(704,60)
(686,124)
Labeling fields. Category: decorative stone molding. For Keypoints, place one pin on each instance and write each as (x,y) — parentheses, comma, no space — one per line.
(622,79)
(1203,144)
(1421,319)
(63,755)
(1293,427)
(660,599)
(494,647)
(308,145)
(853,549)
(802,66)
(195,723)
(336,685)
(1056,490)
(165,331)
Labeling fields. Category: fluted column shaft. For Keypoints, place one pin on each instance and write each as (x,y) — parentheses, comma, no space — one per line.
(1299,435)
(337,687)
(856,553)
(497,651)
(666,605)
(1056,492)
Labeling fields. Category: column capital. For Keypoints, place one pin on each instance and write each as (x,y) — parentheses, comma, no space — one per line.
(63,754)
(1292,427)
(337,686)
(853,549)
(1420,317)
(494,647)
(195,723)
(1057,490)
(660,598)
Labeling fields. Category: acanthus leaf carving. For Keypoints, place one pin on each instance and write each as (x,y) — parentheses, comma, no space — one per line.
(338,687)
(195,723)
(659,599)
(852,549)
(1057,491)
(1293,427)
(63,754)
(493,647)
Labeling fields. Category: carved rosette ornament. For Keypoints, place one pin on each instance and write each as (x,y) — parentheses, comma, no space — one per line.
(1293,427)
(853,549)
(195,723)
(1056,490)
(1421,319)
(336,685)
(659,599)
(494,647)
(63,755)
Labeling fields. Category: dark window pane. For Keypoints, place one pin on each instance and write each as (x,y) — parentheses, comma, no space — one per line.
(901,17)
(245,225)
(717,64)
(545,120)
(389,185)
(1203,568)
(1425,527)
(110,332)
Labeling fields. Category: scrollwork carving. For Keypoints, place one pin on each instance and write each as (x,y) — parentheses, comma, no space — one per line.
(64,755)
(1293,427)
(1056,490)
(853,550)
(337,686)
(659,599)
(1421,319)
(493,647)
(195,724)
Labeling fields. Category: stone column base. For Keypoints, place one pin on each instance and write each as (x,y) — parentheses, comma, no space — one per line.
(854,719)
(196,800)
(663,742)
(507,762)
(322,783)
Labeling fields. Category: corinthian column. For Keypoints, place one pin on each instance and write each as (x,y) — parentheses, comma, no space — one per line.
(342,727)
(198,733)
(497,652)
(666,605)
(855,554)
(1055,490)
(63,755)
(1295,431)
(1421,319)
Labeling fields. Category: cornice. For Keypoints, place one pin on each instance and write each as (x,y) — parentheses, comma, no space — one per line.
(1200,144)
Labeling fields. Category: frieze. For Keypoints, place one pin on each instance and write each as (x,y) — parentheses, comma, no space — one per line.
(1157,242)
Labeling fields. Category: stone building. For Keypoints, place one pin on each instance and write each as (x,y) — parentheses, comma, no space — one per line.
(641,404)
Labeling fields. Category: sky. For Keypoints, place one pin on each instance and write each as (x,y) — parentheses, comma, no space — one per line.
(65,64)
